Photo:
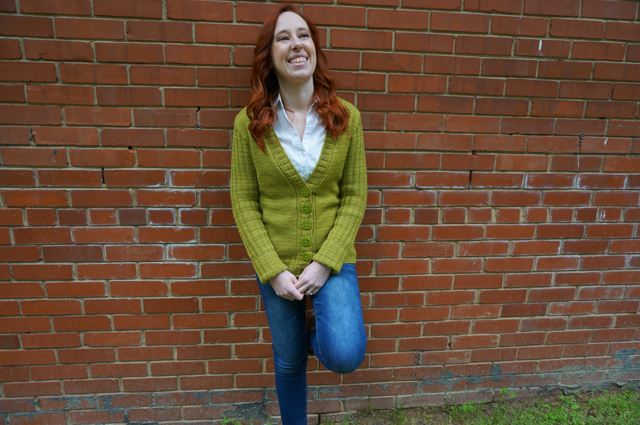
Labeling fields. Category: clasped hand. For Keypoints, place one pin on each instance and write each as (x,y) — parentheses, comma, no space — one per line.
(313,278)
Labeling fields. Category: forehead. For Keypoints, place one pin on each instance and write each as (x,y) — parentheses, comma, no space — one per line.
(289,21)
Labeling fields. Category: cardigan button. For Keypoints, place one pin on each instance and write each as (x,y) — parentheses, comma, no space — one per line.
(306,225)
(304,192)
(305,241)
(306,256)
(306,208)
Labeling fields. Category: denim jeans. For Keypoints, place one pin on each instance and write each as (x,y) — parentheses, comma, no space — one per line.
(339,340)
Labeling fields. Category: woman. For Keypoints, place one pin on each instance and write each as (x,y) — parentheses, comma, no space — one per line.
(298,191)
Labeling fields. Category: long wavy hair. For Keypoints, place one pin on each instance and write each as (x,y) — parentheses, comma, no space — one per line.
(264,85)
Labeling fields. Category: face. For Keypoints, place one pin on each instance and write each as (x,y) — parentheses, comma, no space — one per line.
(293,53)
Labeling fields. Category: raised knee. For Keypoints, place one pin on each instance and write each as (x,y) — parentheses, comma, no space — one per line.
(346,361)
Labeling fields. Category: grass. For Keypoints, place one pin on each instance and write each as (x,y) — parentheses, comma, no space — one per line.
(601,408)
(594,408)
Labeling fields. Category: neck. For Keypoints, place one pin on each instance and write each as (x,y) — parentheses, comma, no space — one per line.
(297,97)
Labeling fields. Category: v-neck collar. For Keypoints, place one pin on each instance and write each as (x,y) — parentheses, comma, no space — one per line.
(287,168)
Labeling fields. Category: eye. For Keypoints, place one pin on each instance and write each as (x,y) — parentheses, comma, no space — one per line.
(282,37)
(304,35)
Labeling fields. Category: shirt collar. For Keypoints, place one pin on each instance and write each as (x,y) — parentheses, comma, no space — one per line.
(279,105)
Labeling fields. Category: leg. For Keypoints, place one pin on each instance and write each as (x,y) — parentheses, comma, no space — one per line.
(339,340)
(288,332)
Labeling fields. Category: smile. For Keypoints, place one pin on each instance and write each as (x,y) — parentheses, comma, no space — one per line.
(299,59)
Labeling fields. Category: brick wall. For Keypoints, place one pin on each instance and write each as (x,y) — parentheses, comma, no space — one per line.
(500,249)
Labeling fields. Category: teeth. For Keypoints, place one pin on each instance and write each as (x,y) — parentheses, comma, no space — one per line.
(298,60)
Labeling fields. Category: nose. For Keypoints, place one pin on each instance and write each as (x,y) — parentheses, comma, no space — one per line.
(297,44)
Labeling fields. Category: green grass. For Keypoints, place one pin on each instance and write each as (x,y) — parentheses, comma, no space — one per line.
(596,408)
(600,408)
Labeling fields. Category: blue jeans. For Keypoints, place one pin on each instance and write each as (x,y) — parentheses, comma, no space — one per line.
(339,340)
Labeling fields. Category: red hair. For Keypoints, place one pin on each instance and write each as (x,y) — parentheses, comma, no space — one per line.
(264,85)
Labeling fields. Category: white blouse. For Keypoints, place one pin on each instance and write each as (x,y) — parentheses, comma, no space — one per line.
(304,154)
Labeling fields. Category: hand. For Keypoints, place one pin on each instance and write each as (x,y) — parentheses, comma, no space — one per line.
(313,278)
(284,285)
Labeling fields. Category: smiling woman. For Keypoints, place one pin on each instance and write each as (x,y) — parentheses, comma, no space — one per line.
(298,191)
(293,52)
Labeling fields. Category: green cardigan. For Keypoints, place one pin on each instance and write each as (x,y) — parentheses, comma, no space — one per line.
(285,222)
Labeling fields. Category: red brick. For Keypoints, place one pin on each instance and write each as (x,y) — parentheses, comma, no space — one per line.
(168,158)
(473,341)
(519,26)
(611,109)
(358,39)
(386,102)
(474,311)
(18,71)
(501,6)
(15,177)
(69,178)
(89,28)
(451,65)
(136,53)
(79,136)
(557,108)
(491,106)
(129,96)
(168,117)
(393,19)
(571,28)
(451,297)
(98,116)
(581,350)
(199,11)
(500,296)
(457,22)
(461,232)
(469,124)
(482,248)
(160,31)
(483,45)
(85,73)
(26,26)
(151,9)
(565,70)
(496,325)
(392,63)
(608,9)
(622,31)
(11,92)
(403,266)
(476,86)
(23,389)
(598,51)
(58,50)
(422,42)
(198,55)
(618,306)
(200,320)
(553,8)
(423,4)
(195,97)
(82,7)
(466,162)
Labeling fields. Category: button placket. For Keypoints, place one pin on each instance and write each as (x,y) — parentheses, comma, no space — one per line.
(305,240)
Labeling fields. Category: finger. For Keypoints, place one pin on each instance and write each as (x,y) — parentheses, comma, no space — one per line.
(301,283)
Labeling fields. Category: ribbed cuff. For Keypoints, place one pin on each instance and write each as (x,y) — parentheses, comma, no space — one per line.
(331,255)
(268,265)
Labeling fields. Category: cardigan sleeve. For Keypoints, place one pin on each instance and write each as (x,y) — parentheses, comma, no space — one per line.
(245,203)
(353,201)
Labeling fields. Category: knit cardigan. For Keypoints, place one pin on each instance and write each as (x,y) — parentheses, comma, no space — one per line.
(285,222)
